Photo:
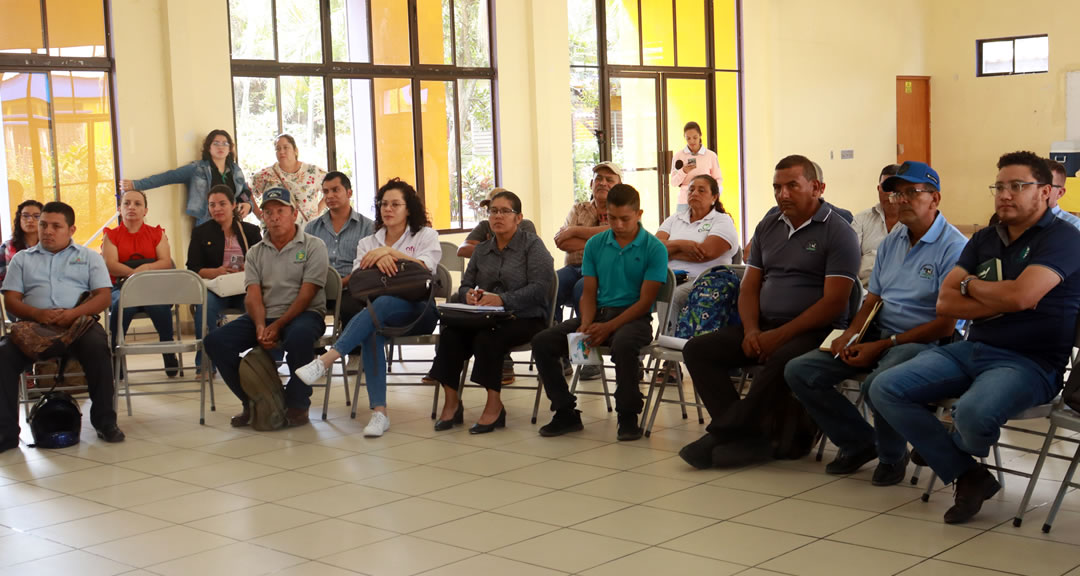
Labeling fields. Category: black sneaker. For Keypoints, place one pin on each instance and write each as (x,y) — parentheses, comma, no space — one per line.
(172,366)
(889,474)
(847,462)
(699,452)
(972,489)
(111,434)
(9,444)
(628,427)
(563,422)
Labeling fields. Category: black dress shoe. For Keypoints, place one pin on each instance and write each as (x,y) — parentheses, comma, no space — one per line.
(917,458)
(9,444)
(562,422)
(848,462)
(499,422)
(699,452)
(111,434)
(459,418)
(172,365)
(972,489)
(889,474)
(628,427)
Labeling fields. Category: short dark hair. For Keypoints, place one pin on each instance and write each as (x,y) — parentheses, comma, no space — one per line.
(18,237)
(417,215)
(210,140)
(1056,167)
(798,161)
(515,202)
(224,191)
(341,176)
(889,170)
(1037,165)
(714,187)
(624,195)
(691,125)
(60,208)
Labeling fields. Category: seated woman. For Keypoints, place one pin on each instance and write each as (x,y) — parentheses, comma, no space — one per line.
(512,269)
(134,247)
(697,239)
(401,234)
(24,233)
(218,247)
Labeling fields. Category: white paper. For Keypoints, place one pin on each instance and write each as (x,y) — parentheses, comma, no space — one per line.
(671,342)
(581,354)
(471,308)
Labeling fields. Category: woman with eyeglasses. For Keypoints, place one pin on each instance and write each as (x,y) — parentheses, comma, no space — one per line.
(24,233)
(303,181)
(217,166)
(402,234)
(512,269)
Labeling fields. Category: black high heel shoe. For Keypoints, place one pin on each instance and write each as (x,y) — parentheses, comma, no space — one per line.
(499,422)
(459,418)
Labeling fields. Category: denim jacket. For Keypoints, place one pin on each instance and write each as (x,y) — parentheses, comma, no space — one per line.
(197,176)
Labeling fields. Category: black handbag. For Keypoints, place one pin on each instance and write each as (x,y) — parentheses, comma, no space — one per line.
(412,282)
(466,320)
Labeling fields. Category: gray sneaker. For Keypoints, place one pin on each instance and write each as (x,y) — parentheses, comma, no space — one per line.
(590,372)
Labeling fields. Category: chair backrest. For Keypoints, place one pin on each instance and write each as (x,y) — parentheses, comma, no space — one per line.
(738,269)
(664,296)
(450,259)
(737,258)
(446,284)
(168,287)
(553,298)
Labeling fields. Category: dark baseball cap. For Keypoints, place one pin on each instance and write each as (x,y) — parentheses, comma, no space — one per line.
(914,172)
(276,194)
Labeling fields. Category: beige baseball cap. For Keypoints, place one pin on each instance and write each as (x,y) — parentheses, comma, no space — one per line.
(491,195)
(610,166)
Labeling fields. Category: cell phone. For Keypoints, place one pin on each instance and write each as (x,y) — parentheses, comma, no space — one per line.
(692,161)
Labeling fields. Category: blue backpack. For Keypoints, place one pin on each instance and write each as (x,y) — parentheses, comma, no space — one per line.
(713,304)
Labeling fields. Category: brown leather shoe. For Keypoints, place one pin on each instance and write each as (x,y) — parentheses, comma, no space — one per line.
(297,416)
(242,419)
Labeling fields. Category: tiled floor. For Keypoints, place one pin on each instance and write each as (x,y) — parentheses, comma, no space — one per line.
(179,498)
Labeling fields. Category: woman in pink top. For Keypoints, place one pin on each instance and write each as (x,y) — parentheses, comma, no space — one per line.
(694,160)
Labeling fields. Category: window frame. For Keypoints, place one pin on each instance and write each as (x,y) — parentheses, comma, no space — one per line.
(329,70)
(979,55)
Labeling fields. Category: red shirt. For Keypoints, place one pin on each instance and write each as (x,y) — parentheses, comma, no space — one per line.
(142,244)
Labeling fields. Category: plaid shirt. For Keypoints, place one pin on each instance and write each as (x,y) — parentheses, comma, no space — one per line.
(582,214)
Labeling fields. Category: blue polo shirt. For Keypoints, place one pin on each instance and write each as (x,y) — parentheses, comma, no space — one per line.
(620,271)
(907,278)
(1067,216)
(1045,333)
(47,280)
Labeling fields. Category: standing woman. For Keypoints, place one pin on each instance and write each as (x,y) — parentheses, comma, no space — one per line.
(24,233)
(219,247)
(303,181)
(134,247)
(692,161)
(401,235)
(217,166)
(512,269)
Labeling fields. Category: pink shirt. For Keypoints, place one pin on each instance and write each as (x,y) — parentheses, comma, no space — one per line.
(707,163)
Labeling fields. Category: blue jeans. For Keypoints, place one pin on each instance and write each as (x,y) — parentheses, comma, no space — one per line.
(992,385)
(215,306)
(360,331)
(813,377)
(571,285)
(161,316)
(225,344)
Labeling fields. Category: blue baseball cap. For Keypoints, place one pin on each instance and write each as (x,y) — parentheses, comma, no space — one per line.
(914,172)
(276,194)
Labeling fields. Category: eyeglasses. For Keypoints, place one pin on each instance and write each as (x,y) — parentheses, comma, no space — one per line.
(221,144)
(501,211)
(30,215)
(908,195)
(1013,187)
(390,205)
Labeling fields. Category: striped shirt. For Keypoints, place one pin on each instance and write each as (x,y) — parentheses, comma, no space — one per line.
(341,246)
(520,274)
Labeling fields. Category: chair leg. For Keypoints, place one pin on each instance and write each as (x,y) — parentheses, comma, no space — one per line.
(929,486)
(390,357)
(356,390)
(127,382)
(654,365)
(326,391)
(1061,492)
(915,475)
(24,395)
(697,401)
(345,378)
(536,403)
(821,447)
(1019,518)
(682,395)
(202,396)
(1000,465)
(603,382)
(656,406)
(532,361)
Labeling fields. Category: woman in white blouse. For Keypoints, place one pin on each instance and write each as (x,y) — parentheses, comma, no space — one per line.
(401,234)
(698,238)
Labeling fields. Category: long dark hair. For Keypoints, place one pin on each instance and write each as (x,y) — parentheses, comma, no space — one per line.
(210,139)
(417,215)
(714,187)
(18,237)
(228,194)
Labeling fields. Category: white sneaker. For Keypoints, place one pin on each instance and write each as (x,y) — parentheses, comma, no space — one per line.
(378,424)
(312,372)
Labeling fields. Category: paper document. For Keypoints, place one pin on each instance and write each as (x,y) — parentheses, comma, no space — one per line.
(671,342)
(581,354)
(826,346)
(471,308)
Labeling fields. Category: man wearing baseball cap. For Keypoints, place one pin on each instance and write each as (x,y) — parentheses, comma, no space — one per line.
(285,302)
(910,265)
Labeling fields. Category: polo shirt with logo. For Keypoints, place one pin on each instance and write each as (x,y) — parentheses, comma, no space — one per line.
(795,262)
(56,280)
(908,278)
(280,273)
(619,270)
(679,227)
(1044,333)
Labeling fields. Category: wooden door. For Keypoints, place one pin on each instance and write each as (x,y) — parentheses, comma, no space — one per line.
(913,118)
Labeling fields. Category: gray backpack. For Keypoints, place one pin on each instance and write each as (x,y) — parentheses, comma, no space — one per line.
(262,384)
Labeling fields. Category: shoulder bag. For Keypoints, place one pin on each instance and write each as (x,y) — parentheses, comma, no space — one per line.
(412,282)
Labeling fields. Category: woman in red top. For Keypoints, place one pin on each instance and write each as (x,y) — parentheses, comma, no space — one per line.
(135,247)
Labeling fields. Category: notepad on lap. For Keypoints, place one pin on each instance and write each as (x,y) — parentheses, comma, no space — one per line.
(826,346)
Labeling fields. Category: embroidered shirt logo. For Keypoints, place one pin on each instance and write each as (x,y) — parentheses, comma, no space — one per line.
(1025,253)
(705,227)
(927,272)
(301,256)
(811,246)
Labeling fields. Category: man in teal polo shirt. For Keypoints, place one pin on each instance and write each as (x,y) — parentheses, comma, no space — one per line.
(624,268)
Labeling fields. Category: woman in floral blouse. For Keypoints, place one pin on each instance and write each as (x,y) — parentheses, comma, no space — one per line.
(304,181)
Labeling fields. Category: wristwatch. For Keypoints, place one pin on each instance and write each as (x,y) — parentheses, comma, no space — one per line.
(964,284)
(893,339)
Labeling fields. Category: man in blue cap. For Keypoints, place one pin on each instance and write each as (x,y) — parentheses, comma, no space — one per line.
(910,265)
(1019,283)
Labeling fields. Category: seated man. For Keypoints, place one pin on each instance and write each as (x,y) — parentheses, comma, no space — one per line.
(285,302)
(44,284)
(803,265)
(910,265)
(874,224)
(624,269)
(1019,283)
(482,230)
(1057,191)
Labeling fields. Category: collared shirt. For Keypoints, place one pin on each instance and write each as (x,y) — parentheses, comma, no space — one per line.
(582,214)
(679,227)
(424,246)
(908,278)
(520,274)
(280,273)
(1066,216)
(47,280)
(871,228)
(1045,332)
(621,270)
(707,163)
(341,246)
(795,262)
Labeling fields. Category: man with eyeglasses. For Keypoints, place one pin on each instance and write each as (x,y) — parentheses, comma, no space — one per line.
(1056,193)
(910,264)
(1019,283)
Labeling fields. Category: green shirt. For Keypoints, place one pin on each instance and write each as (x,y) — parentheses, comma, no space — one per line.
(620,271)
(280,273)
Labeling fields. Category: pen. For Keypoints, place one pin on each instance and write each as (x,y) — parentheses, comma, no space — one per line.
(477,292)
(854,337)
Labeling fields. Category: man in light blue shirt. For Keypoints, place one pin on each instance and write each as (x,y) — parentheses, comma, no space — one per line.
(912,262)
(44,284)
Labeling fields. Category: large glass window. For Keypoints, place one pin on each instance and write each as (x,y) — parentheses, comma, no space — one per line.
(56,130)
(391,88)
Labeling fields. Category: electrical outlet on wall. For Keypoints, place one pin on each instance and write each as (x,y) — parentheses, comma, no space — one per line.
(847,154)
